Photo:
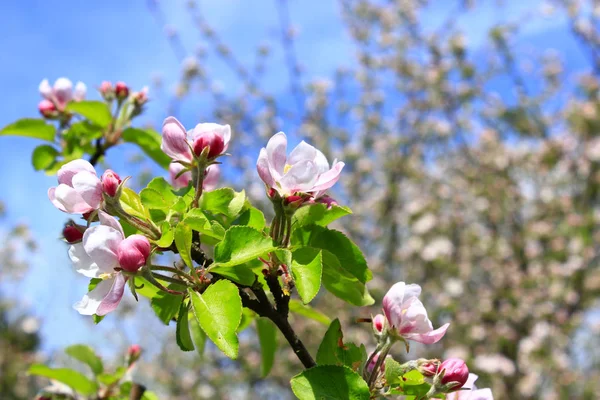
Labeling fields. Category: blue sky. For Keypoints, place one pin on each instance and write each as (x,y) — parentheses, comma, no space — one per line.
(115,40)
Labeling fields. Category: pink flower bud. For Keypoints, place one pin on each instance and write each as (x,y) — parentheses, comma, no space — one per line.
(47,109)
(133,252)
(110,182)
(133,354)
(121,90)
(209,139)
(72,234)
(105,87)
(328,201)
(455,371)
(378,323)
(296,200)
(429,368)
(140,98)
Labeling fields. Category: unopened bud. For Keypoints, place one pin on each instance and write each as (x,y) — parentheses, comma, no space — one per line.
(211,140)
(73,233)
(110,182)
(140,98)
(121,90)
(428,368)
(378,323)
(294,200)
(47,109)
(107,91)
(455,371)
(133,252)
(133,353)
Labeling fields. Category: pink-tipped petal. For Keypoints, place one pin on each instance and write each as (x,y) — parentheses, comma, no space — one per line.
(302,152)
(329,178)
(112,299)
(431,337)
(299,178)
(174,140)
(71,201)
(276,154)
(262,166)
(182,180)
(66,173)
(89,188)
(101,243)
(90,303)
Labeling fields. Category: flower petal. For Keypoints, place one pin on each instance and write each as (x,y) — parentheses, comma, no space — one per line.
(182,180)
(302,152)
(224,131)
(321,161)
(82,261)
(300,178)
(79,92)
(45,89)
(89,304)
(113,297)
(174,140)
(89,188)
(262,166)
(276,149)
(431,337)
(66,173)
(52,197)
(101,243)
(481,394)
(109,220)
(329,178)
(71,201)
(211,179)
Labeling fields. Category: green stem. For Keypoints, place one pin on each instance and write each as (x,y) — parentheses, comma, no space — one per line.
(382,355)
(198,174)
(173,270)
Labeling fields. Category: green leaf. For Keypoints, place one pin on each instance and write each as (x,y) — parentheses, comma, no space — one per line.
(267,337)
(184,340)
(237,273)
(158,195)
(306,311)
(198,335)
(333,350)
(241,244)
(147,290)
(330,382)
(95,111)
(307,266)
(342,284)
(211,231)
(43,156)
(183,241)
(109,379)
(132,204)
(69,377)
(393,371)
(148,140)
(167,236)
(86,355)
(223,201)
(30,127)
(349,255)
(219,311)
(165,305)
(251,217)
(318,214)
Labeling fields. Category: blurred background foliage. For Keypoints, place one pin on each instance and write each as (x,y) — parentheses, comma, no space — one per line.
(475,173)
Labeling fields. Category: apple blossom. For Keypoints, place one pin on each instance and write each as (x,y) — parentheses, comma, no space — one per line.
(62,92)
(110,182)
(211,178)
(407,317)
(47,109)
(178,144)
(305,170)
(104,251)
(79,190)
(121,90)
(72,233)
(473,394)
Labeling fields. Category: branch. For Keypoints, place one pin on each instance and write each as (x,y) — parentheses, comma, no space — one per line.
(98,153)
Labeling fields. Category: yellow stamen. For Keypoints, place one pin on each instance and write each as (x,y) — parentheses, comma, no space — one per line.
(286,168)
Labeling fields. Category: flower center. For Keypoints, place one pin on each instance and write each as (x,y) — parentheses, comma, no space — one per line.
(286,168)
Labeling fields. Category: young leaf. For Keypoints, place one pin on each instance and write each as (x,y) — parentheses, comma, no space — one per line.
(241,244)
(267,336)
(148,140)
(95,111)
(30,127)
(318,214)
(86,355)
(158,195)
(165,305)
(211,231)
(132,204)
(330,382)
(238,273)
(182,333)
(252,217)
(167,235)
(393,371)
(307,266)
(75,380)
(198,335)
(306,311)
(342,284)
(183,241)
(43,156)
(223,201)
(219,311)
(333,350)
